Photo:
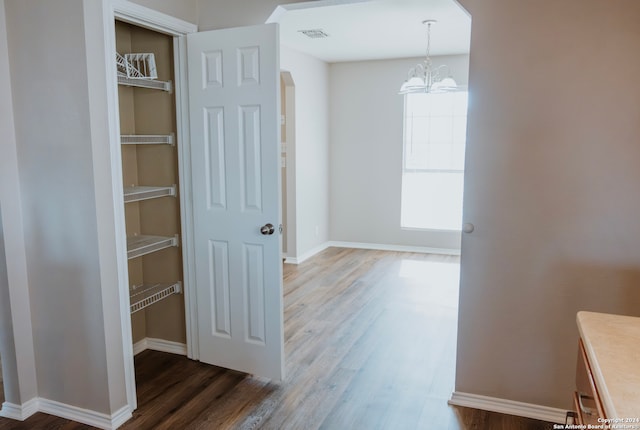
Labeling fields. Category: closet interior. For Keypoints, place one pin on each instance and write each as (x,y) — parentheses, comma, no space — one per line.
(150,178)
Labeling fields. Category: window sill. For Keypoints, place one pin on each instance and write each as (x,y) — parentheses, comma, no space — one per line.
(439,230)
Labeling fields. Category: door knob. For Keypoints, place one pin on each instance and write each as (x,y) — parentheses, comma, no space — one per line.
(467,227)
(267,229)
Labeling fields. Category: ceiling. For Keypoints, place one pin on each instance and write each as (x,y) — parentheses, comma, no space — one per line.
(378,29)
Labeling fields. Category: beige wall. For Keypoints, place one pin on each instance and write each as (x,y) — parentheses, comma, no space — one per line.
(552,174)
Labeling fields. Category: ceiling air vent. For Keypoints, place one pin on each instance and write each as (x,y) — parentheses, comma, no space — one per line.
(314,34)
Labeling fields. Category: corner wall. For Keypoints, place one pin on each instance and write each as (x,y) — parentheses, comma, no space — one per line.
(9,367)
(311,78)
(15,327)
(59,104)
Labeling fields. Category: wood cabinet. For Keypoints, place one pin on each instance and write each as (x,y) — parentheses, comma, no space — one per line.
(608,371)
(586,398)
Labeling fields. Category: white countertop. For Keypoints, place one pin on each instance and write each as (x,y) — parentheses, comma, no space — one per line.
(612,344)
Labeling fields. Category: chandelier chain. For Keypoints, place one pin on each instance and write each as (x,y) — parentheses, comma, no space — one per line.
(428,59)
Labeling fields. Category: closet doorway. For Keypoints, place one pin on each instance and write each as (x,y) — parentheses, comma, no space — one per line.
(150,178)
(201,180)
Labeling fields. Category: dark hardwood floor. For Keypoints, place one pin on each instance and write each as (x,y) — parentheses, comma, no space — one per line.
(369,342)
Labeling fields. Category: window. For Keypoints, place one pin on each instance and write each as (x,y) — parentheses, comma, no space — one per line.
(433,163)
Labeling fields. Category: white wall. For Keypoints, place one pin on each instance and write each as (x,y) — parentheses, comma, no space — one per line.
(311,78)
(552,174)
(60,117)
(366,153)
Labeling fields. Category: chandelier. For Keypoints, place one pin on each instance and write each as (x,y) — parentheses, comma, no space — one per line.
(424,78)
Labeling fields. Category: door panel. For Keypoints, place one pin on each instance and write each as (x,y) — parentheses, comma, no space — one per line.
(235,134)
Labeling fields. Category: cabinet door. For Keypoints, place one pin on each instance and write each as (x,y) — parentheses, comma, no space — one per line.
(586,398)
(234,87)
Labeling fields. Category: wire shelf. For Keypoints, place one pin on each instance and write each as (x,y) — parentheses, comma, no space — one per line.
(140,245)
(143,296)
(147,139)
(138,193)
(141,66)
(146,83)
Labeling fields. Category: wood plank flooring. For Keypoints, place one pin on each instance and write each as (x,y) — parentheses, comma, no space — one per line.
(370,341)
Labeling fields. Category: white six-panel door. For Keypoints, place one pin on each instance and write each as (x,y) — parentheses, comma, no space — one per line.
(234,108)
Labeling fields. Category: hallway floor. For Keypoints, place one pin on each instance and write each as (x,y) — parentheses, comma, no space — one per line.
(370,339)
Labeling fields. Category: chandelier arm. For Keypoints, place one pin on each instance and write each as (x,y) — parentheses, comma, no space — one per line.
(436,79)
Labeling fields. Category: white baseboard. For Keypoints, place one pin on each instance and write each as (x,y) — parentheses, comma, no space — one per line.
(140,346)
(85,416)
(121,416)
(74,413)
(19,412)
(398,248)
(376,246)
(159,345)
(307,255)
(508,407)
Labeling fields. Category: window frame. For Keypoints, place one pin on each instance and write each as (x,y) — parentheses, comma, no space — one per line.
(407,170)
